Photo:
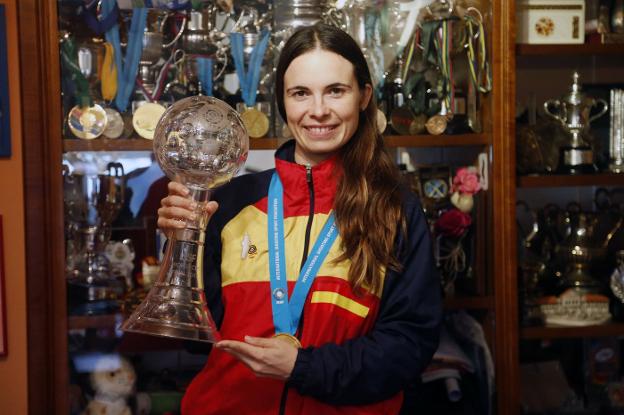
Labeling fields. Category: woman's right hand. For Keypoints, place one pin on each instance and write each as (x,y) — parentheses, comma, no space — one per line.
(178,207)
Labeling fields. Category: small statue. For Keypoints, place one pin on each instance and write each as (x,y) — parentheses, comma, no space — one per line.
(113,382)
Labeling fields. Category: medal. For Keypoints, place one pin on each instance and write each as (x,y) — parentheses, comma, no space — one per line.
(87,122)
(288,338)
(401,118)
(382,121)
(436,124)
(115,124)
(256,122)
(146,118)
(287,312)
(417,126)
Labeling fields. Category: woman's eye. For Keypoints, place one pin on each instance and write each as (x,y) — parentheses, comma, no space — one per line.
(336,92)
(300,94)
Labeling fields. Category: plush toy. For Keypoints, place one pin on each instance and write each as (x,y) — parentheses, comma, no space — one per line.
(113,381)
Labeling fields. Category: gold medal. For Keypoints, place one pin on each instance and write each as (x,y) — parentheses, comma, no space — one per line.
(87,122)
(382,121)
(256,122)
(146,118)
(417,126)
(289,338)
(436,124)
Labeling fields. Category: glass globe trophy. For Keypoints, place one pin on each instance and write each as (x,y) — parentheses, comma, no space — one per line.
(200,142)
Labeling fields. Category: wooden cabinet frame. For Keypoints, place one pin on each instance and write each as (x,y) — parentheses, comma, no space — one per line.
(43,147)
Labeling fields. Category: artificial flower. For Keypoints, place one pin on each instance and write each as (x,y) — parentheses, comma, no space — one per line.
(462,201)
(453,223)
(466,181)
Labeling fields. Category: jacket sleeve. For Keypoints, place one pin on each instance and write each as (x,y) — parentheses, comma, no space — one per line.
(401,344)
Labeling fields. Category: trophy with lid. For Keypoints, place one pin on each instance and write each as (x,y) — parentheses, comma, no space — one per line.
(573,111)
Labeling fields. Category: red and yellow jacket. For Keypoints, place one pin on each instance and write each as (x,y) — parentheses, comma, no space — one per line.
(359,351)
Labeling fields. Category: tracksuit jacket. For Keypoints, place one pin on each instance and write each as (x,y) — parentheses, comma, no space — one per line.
(359,349)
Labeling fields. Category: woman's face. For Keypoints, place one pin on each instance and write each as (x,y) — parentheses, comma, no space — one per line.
(322,101)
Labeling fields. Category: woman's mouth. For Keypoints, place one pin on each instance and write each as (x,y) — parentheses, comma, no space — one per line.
(320,131)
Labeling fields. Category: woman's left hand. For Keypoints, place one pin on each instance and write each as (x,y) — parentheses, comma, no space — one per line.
(271,358)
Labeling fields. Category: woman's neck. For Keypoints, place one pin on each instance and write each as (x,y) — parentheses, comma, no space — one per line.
(309,159)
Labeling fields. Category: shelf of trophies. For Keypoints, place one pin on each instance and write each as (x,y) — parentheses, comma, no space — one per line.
(554,180)
(141,144)
(586,49)
(609,329)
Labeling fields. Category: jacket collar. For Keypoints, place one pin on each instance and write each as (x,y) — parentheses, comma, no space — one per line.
(325,175)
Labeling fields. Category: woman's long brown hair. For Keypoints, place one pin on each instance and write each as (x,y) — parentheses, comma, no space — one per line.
(368,201)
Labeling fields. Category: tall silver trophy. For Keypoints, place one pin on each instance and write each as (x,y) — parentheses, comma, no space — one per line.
(92,202)
(200,142)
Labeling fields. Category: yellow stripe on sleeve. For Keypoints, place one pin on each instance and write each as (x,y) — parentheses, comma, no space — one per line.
(329,297)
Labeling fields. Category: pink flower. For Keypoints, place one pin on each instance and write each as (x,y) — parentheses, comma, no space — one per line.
(452,223)
(466,181)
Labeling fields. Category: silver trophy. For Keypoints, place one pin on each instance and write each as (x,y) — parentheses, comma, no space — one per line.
(154,45)
(290,15)
(201,36)
(92,202)
(573,112)
(201,142)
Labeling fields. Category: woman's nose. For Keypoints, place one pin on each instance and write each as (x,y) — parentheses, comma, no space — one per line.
(319,107)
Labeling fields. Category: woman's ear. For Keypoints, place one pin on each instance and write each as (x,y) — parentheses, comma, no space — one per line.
(367,93)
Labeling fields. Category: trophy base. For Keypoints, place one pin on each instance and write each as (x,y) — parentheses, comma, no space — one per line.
(153,327)
(174,311)
(576,160)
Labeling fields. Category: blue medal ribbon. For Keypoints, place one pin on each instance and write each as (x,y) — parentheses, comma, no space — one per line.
(204,69)
(108,20)
(287,313)
(250,78)
(126,69)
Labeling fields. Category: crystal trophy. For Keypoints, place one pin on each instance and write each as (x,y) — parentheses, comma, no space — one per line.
(201,142)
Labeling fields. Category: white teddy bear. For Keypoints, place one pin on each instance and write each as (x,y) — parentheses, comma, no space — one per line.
(113,381)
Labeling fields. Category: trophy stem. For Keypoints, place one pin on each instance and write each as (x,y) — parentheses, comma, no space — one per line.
(176,305)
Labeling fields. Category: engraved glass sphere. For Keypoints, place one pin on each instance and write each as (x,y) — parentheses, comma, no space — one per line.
(201,141)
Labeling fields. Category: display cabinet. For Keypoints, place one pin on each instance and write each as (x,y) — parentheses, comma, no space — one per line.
(579,356)
(491,296)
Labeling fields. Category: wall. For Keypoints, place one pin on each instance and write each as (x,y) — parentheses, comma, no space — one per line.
(13,367)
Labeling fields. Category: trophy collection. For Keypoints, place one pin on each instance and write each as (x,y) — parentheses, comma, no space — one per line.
(566,257)
(428,58)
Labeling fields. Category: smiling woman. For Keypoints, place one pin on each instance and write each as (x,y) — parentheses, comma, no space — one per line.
(337,309)
(322,107)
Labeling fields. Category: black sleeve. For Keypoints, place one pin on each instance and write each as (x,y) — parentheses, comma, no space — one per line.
(401,344)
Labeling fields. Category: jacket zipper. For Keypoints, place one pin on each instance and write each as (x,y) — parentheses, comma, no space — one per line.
(282,408)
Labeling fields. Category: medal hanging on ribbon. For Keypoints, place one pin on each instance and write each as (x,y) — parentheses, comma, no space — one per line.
(287,313)
(204,69)
(256,122)
(86,120)
(126,68)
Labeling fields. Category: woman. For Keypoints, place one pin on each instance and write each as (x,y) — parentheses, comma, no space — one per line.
(362,321)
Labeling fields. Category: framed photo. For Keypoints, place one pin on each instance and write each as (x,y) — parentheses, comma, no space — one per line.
(5,116)
(3,318)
